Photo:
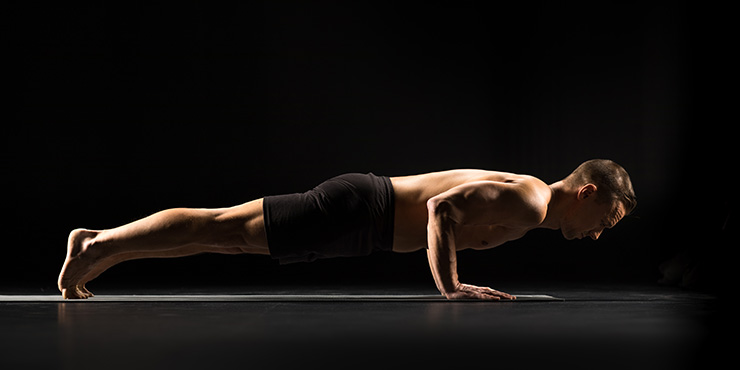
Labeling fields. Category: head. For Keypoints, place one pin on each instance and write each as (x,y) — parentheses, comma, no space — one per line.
(601,193)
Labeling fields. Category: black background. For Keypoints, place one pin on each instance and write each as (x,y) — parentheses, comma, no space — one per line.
(121,109)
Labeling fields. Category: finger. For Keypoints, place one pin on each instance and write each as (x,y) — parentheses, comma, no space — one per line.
(488,296)
(483,292)
(462,295)
(505,295)
(501,294)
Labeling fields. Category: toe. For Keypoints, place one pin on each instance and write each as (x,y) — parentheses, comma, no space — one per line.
(87,293)
(80,292)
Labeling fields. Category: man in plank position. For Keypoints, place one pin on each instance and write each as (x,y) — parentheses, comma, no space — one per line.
(355,214)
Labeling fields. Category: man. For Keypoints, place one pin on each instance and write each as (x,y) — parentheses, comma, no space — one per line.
(354,214)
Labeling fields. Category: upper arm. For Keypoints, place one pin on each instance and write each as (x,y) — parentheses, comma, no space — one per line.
(492,203)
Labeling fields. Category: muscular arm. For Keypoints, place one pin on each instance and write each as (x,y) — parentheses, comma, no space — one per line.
(478,203)
(441,240)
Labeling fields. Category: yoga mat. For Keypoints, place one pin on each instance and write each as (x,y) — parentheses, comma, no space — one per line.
(264,298)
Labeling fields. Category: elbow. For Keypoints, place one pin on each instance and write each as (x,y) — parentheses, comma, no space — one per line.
(440,209)
(437,206)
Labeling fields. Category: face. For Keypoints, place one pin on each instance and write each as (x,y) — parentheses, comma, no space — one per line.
(588,218)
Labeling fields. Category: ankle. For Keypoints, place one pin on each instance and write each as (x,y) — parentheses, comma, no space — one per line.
(90,244)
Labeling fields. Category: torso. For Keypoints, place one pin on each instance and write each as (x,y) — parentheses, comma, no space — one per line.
(412,194)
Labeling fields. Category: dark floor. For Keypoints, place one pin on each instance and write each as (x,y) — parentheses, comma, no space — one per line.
(596,327)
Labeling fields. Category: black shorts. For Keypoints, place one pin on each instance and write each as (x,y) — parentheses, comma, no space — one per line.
(349,215)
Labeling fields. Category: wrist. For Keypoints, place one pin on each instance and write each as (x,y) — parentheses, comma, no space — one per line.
(451,288)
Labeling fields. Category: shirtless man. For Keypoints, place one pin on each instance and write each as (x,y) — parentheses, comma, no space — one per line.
(355,214)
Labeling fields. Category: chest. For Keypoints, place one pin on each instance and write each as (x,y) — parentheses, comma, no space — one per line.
(484,237)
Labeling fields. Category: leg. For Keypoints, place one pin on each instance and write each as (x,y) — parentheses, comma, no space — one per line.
(170,233)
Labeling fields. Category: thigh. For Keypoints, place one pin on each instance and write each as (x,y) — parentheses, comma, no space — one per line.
(242,226)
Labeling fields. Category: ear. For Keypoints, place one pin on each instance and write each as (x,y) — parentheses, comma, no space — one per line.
(586,191)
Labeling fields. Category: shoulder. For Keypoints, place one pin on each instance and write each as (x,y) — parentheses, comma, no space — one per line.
(532,196)
(535,188)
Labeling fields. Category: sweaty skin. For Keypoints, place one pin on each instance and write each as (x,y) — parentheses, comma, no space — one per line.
(443,212)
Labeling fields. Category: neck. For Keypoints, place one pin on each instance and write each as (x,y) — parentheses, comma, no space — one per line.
(559,202)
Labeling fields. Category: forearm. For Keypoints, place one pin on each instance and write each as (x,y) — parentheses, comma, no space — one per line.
(441,253)
(444,274)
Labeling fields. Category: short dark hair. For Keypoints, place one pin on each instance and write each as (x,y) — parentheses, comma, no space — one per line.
(612,181)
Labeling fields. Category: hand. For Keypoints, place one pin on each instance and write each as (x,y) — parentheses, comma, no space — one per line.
(466,291)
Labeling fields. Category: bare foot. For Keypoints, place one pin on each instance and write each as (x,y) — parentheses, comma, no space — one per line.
(78,263)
